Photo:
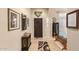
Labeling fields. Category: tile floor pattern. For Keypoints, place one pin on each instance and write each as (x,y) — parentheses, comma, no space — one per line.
(51,43)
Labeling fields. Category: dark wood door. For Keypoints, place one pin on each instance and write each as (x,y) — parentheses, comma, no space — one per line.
(55,29)
(38,30)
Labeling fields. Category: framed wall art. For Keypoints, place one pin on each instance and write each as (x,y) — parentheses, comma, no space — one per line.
(13,20)
(23,20)
(73,19)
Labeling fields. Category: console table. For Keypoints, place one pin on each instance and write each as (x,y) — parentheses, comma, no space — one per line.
(26,42)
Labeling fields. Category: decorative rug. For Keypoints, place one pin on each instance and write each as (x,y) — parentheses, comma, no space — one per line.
(43,46)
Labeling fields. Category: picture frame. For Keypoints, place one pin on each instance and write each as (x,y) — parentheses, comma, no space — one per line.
(72,19)
(24,23)
(13,20)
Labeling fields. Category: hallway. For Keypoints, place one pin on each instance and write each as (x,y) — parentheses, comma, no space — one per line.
(15,22)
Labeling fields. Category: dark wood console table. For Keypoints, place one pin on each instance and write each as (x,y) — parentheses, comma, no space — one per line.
(26,42)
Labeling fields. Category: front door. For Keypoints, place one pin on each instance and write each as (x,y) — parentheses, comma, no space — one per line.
(38,27)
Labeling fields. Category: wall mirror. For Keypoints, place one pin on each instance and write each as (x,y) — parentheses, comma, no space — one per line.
(24,25)
(73,19)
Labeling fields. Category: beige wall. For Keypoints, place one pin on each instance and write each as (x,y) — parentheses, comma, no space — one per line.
(10,40)
(46,22)
(72,37)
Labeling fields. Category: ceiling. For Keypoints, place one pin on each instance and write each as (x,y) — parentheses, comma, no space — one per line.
(58,10)
(65,9)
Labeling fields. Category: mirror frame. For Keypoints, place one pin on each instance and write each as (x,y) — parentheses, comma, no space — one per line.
(77,19)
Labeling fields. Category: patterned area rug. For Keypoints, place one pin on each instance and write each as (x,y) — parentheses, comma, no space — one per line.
(43,46)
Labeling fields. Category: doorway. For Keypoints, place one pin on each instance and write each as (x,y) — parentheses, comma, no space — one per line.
(55,29)
(38,27)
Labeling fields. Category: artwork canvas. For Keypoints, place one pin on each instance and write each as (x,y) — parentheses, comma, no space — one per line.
(72,20)
(24,24)
(13,20)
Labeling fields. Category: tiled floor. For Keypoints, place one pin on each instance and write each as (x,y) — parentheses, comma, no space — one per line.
(52,44)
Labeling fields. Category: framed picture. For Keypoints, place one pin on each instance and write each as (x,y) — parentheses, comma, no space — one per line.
(23,20)
(73,19)
(13,20)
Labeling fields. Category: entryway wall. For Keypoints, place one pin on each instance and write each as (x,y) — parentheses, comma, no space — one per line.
(46,22)
(11,40)
(72,36)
